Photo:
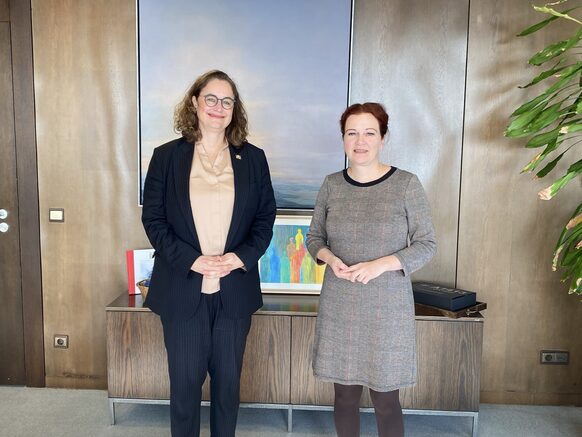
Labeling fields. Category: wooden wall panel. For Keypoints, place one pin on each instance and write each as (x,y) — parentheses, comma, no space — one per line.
(506,235)
(85,76)
(410,55)
(28,197)
(4,10)
(12,368)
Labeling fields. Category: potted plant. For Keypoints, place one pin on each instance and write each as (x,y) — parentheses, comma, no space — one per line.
(552,121)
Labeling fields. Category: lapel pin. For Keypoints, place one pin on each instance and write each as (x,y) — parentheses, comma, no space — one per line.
(237,156)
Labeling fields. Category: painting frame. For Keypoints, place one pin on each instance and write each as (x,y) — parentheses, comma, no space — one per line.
(289,261)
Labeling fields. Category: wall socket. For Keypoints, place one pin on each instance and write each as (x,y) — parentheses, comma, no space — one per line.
(554,357)
(61,341)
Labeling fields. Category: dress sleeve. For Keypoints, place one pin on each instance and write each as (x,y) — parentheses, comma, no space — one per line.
(421,233)
(317,234)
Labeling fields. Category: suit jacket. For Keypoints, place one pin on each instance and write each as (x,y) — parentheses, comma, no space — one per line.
(174,291)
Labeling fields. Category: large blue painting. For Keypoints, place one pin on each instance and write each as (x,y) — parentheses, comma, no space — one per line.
(290,61)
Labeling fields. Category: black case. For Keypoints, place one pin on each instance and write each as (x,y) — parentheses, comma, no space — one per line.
(439,296)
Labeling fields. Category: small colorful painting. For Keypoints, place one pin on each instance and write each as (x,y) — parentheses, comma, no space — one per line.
(287,267)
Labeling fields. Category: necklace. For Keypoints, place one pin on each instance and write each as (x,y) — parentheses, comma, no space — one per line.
(213,156)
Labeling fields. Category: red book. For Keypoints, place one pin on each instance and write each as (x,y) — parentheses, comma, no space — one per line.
(140,263)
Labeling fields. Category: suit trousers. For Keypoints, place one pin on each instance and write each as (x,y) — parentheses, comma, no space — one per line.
(212,343)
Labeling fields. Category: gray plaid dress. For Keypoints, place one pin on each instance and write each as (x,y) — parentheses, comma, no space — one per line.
(365,334)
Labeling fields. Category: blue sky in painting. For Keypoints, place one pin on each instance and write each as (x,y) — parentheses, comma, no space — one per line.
(289,60)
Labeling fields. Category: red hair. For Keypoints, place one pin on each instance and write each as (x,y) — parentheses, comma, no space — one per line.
(376,109)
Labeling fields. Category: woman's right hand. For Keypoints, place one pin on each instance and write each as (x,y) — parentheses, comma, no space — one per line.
(339,268)
(337,265)
(210,266)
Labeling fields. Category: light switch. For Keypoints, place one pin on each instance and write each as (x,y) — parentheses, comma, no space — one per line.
(56,215)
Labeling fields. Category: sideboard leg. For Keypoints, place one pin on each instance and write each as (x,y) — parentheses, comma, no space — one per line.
(112,411)
(475,425)
(290,419)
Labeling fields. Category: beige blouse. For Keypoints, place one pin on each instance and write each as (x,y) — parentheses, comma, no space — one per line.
(212,201)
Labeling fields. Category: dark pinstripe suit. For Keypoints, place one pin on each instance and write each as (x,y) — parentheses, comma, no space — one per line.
(205,332)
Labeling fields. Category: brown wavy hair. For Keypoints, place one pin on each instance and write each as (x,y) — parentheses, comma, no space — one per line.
(186,119)
(376,109)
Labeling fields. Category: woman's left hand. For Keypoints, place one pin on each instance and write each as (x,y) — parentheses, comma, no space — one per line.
(230,261)
(366,271)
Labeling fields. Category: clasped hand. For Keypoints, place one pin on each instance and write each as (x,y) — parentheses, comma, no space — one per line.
(217,266)
(361,272)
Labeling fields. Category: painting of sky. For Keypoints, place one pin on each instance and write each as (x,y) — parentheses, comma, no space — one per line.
(290,61)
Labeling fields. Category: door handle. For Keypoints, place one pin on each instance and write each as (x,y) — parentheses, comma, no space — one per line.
(4,227)
(3,214)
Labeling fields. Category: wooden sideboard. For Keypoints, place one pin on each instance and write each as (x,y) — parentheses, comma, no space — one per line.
(277,363)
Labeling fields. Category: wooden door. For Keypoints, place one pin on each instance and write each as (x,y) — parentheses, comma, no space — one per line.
(12,369)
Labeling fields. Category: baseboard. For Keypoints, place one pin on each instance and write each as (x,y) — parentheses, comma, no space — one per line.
(510,397)
(81,382)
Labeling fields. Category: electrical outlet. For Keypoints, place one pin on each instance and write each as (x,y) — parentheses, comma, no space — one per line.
(554,357)
(61,341)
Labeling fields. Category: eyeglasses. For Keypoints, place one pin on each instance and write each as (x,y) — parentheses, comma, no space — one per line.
(226,102)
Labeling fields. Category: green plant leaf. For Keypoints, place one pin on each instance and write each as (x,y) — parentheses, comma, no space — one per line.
(542,139)
(576,167)
(570,70)
(535,120)
(530,105)
(543,120)
(517,125)
(570,254)
(572,235)
(575,275)
(532,164)
(573,171)
(541,24)
(571,128)
(560,242)
(549,52)
(549,167)
(565,76)
(555,13)
(537,26)
(546,74)
(574,222)
(556,49)
(576,285)
(540,157)
(567,256)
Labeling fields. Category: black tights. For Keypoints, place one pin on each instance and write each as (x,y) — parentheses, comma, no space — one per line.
(347,411)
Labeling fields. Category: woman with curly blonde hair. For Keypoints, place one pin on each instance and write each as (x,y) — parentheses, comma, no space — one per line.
(186,119)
